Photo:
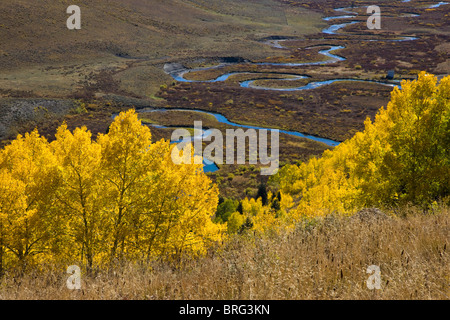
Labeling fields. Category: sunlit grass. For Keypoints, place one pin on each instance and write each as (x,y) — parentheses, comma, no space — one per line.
(322,259)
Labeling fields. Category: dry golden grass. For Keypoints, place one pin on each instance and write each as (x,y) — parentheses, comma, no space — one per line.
(325,259)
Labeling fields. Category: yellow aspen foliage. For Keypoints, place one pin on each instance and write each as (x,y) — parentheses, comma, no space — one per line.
(13,219)
(29,176)
(80,194)
(176,209)
(401,157)
(125,162)
(119,197)
(259,218)
(235,221)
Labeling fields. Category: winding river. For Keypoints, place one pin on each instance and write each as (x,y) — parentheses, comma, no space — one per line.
(177,71)
(209,166)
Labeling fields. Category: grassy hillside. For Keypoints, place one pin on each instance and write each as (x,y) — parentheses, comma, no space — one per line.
(322,259)
(38,53)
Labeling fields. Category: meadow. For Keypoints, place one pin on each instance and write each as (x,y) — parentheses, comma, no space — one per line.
(322,259)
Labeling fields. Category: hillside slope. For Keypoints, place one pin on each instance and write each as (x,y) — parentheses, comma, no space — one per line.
(36,31)
(34,35)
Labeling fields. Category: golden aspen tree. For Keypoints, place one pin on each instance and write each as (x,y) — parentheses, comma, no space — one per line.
(80,194)
(176,206)
(13,206)
(120,197)
(235,221)
(157,208)
(404,155)
(418,162)
(124,164)
(29,178)
(401,157)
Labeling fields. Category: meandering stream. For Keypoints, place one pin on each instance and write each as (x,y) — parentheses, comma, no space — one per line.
(210,166)
(178,72)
